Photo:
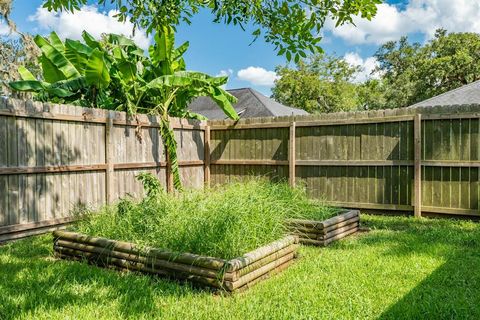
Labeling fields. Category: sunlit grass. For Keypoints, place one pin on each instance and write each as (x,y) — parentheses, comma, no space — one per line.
(225,221)
(402,269)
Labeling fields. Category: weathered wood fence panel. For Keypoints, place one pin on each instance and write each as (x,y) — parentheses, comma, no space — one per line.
(451,154)
(54,158)
(365,160)
(251,151)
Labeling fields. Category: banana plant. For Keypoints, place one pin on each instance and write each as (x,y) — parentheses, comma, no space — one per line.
(72,72)
(169,88)
(114,73)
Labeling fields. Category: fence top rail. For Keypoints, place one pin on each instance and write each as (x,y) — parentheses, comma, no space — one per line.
(337,118)
(312,123)
(48,111)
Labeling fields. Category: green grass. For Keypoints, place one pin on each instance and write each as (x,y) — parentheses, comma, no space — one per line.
(224,222)
(403,269)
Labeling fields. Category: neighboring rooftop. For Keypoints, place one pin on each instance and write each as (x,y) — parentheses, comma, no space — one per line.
(467,94)
(250,104)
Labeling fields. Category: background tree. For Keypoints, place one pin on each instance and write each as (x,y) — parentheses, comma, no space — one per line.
(371,95)
(411,73)
(292,26)
(13,54)
(407,73)
(320,83)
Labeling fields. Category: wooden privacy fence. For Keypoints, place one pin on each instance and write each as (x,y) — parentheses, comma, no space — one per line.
(54,158)
(421,160)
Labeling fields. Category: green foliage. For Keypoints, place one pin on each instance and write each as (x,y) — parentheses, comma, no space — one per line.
(71,73)
(371,94)
(15,56)
(413,72)
(115,74)
(404,268)
(321,83)
(150,183)
(407,73)
(292,26)
(96,71)
(226,221)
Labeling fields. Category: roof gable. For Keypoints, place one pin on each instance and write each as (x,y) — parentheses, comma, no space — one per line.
(250,104)
(467,94)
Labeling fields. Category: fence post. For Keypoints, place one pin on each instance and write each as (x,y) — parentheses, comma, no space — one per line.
(109,158)
(291,154)
(417,129)
(206,157)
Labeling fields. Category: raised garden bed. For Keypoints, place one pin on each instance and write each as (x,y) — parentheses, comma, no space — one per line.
(322,233)
(230,275)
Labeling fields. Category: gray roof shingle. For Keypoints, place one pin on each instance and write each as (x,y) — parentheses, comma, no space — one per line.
(467,94)
(250,104)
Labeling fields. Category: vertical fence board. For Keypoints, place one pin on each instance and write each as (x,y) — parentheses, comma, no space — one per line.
(291,157)
(3,163)
(417,129)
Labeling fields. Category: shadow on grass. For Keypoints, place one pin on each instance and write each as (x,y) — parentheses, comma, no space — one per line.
(32,283)
(40,282)
(452,291)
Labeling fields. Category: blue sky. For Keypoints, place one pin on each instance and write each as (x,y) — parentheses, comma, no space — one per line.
(220,49)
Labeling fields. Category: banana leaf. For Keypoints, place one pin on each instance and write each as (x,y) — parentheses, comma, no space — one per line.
(128,71)
(77,53)
(221,97)
(56,42)
(27,85)
(72,85)
(59,92)
(25,74)
(50,73)
(96,71)
(90,41)
(178,53)
(56,58)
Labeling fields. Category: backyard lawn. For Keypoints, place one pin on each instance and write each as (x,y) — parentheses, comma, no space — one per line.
(402,268)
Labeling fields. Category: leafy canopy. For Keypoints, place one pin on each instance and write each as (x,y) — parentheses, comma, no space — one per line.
(411,73)
(407,73)
(321,83)
(292,26)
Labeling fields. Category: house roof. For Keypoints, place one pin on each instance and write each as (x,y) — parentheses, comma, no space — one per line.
(251,103)
(467,94)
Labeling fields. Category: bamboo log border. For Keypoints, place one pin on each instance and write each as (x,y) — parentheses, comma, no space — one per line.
(322,233)
(230,275)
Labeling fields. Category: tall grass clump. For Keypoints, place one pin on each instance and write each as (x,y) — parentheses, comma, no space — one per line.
(225,221)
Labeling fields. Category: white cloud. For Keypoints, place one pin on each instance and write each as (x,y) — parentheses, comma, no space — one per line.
(4,29)
(88,18)
(257,76)
(224,73)
(423,16)
(367,65)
